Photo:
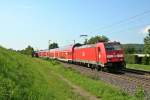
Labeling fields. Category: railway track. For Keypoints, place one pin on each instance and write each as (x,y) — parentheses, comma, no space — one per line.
(139,80)
(142,72)
(128,80)
(139,76)
(142,78)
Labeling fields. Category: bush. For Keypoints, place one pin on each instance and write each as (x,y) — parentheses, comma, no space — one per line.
(131,59)
(146,60)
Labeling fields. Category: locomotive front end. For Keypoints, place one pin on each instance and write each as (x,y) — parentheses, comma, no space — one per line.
(114,55)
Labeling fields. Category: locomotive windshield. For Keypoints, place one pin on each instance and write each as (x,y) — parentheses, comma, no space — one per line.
(112,46)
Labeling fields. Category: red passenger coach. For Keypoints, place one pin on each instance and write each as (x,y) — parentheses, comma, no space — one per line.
(52,53)
(42,53)
(66,53)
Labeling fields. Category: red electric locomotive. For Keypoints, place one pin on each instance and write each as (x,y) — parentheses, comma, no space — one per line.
(101,55)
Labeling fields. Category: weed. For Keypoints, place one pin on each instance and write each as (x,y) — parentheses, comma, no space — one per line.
(140,93)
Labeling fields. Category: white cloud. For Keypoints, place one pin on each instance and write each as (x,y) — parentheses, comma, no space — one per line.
(146,29)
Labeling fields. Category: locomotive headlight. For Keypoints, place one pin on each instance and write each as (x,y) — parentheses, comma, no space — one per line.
(120,55)
(109,56)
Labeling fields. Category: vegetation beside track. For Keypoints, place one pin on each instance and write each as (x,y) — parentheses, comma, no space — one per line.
(139,67)
(26,78)
(99,88)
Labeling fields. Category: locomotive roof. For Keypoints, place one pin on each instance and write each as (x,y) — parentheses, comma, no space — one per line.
(94,45)
(87,46)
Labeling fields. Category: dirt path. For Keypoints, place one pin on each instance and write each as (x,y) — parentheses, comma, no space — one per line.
(79,90)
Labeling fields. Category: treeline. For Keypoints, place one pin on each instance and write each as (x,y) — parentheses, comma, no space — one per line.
(133,48)
(27,51)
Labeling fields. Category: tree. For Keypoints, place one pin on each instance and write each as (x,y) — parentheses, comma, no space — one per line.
(53,46)
(28,50)
(147,43)
(133,48)
(129,50)
(97,39)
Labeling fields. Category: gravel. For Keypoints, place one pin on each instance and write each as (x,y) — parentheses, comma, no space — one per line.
(124,81)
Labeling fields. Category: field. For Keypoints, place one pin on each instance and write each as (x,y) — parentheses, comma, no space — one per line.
(139,67)
(26,78)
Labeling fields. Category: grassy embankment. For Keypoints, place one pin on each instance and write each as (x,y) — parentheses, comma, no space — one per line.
(25,78)
(139,67)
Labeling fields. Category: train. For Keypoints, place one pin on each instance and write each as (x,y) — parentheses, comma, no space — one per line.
(101,56)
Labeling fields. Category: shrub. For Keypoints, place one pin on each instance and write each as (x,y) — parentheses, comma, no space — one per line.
(131,59)
(146,60)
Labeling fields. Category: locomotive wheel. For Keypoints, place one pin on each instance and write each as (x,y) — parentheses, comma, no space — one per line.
(98,68)
(92,67)
(102,69)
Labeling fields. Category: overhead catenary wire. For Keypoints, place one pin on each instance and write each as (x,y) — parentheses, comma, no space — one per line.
(130,28)
(124,20)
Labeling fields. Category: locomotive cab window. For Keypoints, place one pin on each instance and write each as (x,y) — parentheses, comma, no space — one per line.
(112,46)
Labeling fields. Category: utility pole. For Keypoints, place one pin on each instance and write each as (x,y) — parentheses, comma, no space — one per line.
(85,37)
(74,41)
(49,42)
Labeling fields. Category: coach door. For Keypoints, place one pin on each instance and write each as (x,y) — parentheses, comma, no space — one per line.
(99,54)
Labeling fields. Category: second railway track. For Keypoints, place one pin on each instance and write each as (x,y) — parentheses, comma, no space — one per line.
(142,72)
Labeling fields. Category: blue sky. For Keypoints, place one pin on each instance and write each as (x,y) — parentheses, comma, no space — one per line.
(34,22)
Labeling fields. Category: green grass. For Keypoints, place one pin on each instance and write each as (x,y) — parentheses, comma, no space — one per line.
(139,67)
(25,78)
(96,87)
